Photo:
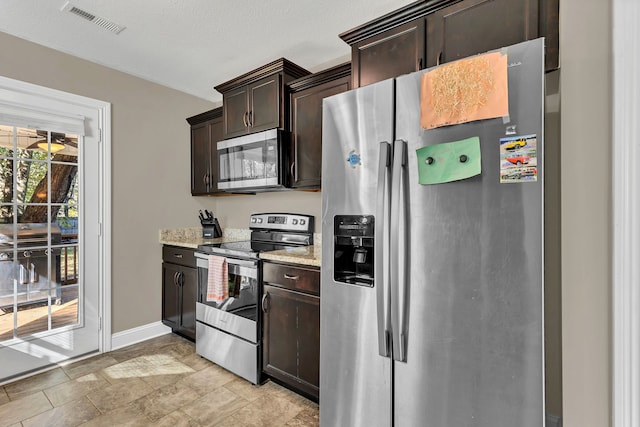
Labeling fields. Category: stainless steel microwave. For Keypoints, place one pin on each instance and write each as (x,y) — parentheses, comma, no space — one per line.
(256,162)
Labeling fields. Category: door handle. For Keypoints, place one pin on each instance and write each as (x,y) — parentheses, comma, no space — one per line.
(181,279)
(175,278)
(265,302)
(250,120)
(381,251)
(398,247)
(244,119)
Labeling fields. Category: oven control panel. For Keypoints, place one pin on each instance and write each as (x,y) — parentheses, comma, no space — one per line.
(282,221)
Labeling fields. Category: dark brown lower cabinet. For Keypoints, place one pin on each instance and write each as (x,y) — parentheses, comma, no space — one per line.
(179,290)
(291,327)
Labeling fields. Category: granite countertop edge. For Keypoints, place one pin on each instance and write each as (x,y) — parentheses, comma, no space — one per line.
(190,238)
(308,255)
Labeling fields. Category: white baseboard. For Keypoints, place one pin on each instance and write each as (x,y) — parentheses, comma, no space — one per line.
(139,334)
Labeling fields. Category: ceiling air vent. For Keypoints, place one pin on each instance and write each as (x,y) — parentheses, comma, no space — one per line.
(102,22)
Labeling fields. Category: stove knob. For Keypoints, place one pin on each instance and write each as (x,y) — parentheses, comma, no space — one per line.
(259,220)
(295,222)
(302,222)
(253,220)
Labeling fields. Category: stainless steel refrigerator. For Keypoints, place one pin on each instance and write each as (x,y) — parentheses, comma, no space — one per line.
(432,295)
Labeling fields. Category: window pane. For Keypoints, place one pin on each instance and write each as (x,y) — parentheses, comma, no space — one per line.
(65,311)
(6,141)
(7,274)
(6,180)
(32,318)
(31,182)
(31,214)
(68,262)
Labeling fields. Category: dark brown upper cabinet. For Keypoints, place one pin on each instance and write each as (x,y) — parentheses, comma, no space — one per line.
(475,26)
(206,131)
(306,95)
(395,52)
(430,32)
(256,101)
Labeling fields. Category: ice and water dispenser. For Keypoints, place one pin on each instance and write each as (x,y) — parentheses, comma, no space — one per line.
(353,242)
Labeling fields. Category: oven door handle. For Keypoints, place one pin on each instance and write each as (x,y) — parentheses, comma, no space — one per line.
(234,261)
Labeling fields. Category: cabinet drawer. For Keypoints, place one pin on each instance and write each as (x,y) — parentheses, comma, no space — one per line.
(290,277)
(180,256)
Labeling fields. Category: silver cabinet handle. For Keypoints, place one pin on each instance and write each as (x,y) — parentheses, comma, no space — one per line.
(250,118)
(399,250)
(244,119)
(175,278)
(290,277)
(383,205)
(177,255)
(265,302)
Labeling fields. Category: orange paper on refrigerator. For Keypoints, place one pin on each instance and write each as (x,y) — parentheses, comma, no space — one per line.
(463,91)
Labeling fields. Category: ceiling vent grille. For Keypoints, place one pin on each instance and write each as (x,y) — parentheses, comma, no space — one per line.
(99,21)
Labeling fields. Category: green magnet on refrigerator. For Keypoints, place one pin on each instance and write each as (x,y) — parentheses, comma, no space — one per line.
(449,161)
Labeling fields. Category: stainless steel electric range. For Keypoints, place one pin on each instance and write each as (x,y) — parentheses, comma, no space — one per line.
(229,332)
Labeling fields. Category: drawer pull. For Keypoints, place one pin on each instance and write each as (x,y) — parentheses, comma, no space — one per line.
(290,277)
(177,255)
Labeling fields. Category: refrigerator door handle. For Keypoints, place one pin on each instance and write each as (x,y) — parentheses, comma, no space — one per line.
(398,263)
(383,207)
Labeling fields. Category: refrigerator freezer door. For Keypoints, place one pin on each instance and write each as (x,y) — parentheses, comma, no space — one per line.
(355,380)
(474,345)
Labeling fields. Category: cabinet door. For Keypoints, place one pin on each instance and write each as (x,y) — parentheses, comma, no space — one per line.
(306,129)
(309,342)
(264,104)
(189,294)
(200,163)
(390,54)
(215,135)
(170,295)
(280,332)
(235,112)
(476,26)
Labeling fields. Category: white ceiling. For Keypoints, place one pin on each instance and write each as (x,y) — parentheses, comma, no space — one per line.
(194,45)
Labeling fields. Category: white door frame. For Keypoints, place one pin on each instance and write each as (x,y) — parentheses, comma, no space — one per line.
(103,111)
(625,399)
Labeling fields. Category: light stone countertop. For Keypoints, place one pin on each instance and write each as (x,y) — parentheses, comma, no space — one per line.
(305,255)
(192,237)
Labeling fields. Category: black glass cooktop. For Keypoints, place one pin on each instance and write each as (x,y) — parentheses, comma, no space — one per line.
(242,249)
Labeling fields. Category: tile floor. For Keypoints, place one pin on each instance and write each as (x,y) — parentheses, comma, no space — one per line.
(159,382)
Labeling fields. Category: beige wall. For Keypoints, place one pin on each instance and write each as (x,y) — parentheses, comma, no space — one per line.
(585,49)
(150,166)
(234,211)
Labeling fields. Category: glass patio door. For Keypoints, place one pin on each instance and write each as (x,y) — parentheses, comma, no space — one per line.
(48,289)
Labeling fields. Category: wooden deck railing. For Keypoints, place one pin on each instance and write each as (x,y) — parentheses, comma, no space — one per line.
(69,261)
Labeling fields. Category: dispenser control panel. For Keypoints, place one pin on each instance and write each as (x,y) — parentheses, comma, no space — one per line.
(354,249)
